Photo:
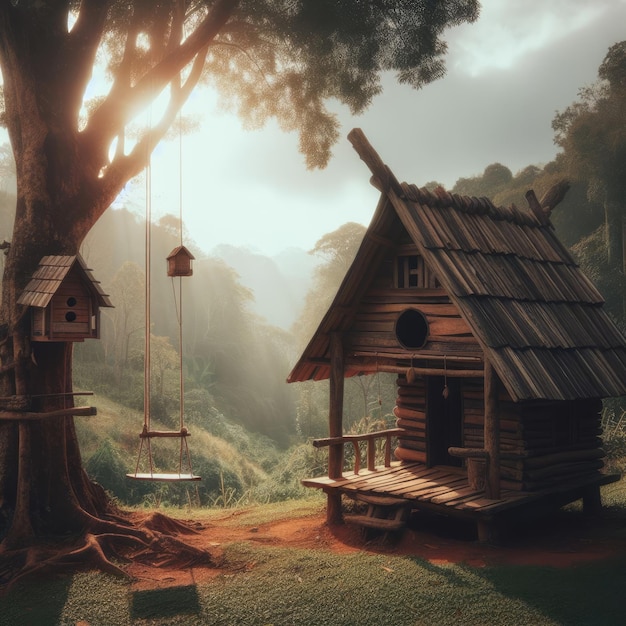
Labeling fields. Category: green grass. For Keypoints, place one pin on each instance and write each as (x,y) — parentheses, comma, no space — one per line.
(255,514)
(293,587)
(264,585)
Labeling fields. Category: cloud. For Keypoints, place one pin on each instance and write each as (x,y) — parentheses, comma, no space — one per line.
(506,32)
(508,75)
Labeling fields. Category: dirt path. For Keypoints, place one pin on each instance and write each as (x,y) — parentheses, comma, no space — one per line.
(561,541)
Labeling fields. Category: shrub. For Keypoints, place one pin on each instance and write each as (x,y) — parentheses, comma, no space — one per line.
(284,483)
(614,440)
(106,467)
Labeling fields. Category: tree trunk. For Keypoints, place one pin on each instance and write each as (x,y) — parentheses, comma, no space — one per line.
(614,232)
(44,488)
(65,182)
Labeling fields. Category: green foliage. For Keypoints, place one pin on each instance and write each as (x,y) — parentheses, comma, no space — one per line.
(493,180)
(198,406)
(614,433)
(301,54)
(312,409)
(301,461)
(593,136)
(110,447)
(337,250)
(224,342)
(107,468)
(220,484)
(591,254)
(591,133)
(7,209)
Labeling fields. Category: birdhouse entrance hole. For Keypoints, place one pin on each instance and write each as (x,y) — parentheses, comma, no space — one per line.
(412,329)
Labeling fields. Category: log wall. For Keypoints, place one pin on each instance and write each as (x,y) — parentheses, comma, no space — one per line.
(541,443)
(410,412)
(562,442)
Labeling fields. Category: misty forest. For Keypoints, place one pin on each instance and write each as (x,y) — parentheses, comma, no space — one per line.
(224,358)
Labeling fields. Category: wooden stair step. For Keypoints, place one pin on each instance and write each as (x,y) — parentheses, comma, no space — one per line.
(385,501)
(375,522)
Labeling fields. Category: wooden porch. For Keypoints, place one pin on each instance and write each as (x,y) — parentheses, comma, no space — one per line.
(446,490)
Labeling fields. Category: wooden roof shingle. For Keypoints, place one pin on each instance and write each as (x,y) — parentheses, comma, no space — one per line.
(50,274)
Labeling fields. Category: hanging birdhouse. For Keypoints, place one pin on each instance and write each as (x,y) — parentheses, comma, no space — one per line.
(64,300)
(179,262)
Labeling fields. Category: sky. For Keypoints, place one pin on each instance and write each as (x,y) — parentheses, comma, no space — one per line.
(507,75)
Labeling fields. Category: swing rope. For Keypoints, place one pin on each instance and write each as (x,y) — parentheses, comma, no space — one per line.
(147,433)
(179,308)
(148,321)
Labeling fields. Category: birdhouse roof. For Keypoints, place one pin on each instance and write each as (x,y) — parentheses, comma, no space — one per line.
(180,250)
(536,316)
(50,274)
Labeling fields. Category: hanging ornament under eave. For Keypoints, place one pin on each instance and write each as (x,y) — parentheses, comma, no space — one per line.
(411,374)
(179,262)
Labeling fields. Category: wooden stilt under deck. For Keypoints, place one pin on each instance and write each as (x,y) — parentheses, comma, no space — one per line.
(335,424)
(446,490)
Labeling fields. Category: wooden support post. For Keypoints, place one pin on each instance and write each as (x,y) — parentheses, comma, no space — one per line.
(592,500)
(335,425)
(488,532)
(492,432)
(371,454)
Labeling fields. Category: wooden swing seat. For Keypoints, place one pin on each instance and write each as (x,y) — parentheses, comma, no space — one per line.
(150,434)
(162,477)
(146,435)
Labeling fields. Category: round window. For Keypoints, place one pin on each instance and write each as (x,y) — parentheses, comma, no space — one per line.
(412,329)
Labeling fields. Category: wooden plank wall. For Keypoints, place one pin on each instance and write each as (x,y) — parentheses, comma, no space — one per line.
(373,329)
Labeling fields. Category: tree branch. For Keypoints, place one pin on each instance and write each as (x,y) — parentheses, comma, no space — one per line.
(84,39)
(125,167)
(124,102)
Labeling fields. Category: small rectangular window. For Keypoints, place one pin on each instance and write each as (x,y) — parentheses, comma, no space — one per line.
(411,272)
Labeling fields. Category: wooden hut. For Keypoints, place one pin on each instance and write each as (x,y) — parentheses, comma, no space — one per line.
(64,300)
(502,352)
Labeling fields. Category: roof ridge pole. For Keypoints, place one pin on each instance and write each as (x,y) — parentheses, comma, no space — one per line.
(382,177)
(335,424)
(536,209)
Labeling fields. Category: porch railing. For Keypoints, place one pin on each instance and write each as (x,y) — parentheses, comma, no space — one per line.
(371,439)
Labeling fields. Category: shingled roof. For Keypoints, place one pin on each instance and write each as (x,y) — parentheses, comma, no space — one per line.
(51,272)
(535,314)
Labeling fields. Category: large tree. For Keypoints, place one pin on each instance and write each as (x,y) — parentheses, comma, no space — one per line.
(269,58)
(592,134)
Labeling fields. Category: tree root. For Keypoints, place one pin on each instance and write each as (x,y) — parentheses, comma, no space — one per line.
(161,523)
(106,545)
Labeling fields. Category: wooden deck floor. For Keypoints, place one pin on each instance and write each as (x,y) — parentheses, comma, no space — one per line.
(445,490)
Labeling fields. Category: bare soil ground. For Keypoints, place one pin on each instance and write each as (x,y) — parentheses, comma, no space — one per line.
(564,539)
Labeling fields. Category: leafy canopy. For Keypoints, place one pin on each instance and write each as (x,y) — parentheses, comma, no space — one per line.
(280,59)
(592,132)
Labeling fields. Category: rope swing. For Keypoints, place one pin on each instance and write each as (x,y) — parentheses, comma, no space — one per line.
(178,265)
